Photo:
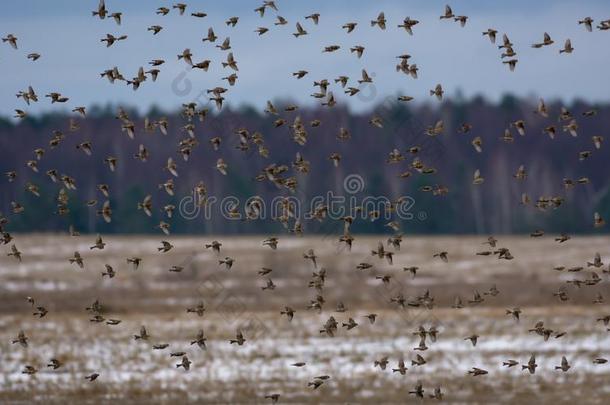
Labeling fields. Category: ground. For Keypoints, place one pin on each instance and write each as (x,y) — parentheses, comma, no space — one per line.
(131,371)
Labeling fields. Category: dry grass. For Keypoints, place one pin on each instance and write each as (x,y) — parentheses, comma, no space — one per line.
(134,373)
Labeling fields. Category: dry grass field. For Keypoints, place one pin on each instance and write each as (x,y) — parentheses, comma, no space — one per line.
(132,372)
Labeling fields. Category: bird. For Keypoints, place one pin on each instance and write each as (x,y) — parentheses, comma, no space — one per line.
(491,33)
(300,31)
(401,368)
(438,92)
(473,339)
(186,55)
(135,262)
(438,394)
(54,364)
(92,377)
(310,255)
(315,17)
(15,253)
(408,25)
(531,365)
(214,245)
(165,246)
(289,312)
(371,318)
(100,11)
(228,262)
(185,363)
(198,309)
(565,366)
(11,39)
(418,391)
(350,26)
(181,7)
(22,339)
(444,256)
(448,13)
(587,22)
(382,362)
(239,339)
(33,56)
(350,324)
(545,42)
(419,360)
(273,397)
(77,258)
(380,21)
(461,19)
(111,39)
(567,47)
(477,371)
(143,335)
(515,313)
(155,29)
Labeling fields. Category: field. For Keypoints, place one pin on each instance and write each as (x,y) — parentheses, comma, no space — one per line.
(133,372)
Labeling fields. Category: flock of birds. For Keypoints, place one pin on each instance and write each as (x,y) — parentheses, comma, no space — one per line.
(279,175)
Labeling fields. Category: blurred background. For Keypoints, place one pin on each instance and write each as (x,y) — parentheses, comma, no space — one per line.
(550,282)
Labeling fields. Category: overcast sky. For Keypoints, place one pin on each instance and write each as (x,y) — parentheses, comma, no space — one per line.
(68,38)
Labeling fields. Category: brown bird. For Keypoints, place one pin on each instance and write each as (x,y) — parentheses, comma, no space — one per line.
(491,33)
(531,365)
(289,312)
(185,363)
(408,25)
(477,371)
(545,42)
(448,13)
(380,21)
(565,366)
(588,23)
(239,339)
(22,339)
(92,377)
(401,367)
(567,47)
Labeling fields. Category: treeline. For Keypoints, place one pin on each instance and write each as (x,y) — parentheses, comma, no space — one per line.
(491,207)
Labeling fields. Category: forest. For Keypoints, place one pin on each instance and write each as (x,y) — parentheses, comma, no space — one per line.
(553,166)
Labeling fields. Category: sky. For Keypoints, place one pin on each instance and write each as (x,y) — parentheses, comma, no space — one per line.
(461,59)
